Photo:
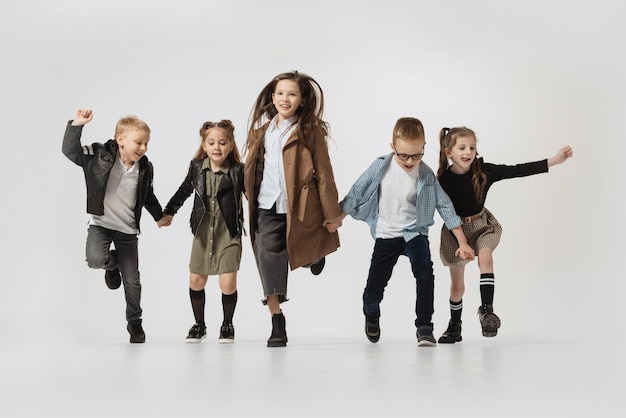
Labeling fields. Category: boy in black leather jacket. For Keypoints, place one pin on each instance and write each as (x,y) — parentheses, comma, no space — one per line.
(118,177)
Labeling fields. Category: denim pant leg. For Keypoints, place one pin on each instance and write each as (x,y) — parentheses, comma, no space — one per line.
(270,253)
(126,246)
(384,258)
(97,248)
(418,252)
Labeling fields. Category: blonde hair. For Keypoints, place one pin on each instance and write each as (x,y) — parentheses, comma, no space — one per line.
(407,129)
(130,122)
(229,128)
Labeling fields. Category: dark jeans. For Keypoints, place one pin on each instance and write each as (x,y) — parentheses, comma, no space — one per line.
(384,258)
(98,254)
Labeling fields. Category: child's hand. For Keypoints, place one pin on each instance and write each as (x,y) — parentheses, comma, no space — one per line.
(466,252)
(166,220)
(560,157)
(332,225)
(82,117)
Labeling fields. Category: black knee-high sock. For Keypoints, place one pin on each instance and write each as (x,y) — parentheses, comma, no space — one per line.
(487,285)
(228,306)
(456,309)
(198,299)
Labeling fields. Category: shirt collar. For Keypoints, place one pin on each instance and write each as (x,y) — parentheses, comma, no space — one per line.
(274,125)
(206,165)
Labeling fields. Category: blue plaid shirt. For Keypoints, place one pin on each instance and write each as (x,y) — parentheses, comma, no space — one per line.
(361,202)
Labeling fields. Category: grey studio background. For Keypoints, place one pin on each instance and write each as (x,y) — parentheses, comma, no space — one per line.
(528,77)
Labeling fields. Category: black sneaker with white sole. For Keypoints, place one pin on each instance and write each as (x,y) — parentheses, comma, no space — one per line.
(425,336)
(196,334)
(227,334)
(372,329)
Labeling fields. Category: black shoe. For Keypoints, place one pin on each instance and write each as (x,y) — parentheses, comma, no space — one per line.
(452,334)
(488,321)
(196,334)
(279,332)
(318,266)
(136,331)
(425,336)
(372,329)
(227,334)
(113,278)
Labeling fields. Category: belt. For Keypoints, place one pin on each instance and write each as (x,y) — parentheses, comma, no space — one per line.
(469,219)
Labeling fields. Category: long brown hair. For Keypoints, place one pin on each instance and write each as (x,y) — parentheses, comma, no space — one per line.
(309,115)
(229,128)
(447,139)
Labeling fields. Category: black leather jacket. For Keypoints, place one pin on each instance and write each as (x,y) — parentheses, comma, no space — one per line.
(97,160)
(229,196)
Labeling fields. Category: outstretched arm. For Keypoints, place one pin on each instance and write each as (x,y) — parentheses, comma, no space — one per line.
(561,156)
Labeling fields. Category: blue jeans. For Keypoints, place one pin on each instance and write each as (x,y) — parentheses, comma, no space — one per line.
(384,258)
(98,254)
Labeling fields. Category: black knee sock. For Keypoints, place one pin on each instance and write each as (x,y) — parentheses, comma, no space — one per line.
(198,299)
(228,306)
(456,309)
(487,285)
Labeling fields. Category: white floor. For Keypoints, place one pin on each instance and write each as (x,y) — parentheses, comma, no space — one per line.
(310,378)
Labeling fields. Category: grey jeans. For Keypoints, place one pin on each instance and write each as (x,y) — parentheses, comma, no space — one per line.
(125,258)
(270,253)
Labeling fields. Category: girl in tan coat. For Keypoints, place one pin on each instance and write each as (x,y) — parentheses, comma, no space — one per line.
(290,187)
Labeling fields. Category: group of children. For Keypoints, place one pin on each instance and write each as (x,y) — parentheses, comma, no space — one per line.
(294,209)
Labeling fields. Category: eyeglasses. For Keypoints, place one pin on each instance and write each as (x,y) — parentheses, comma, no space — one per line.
(405,157)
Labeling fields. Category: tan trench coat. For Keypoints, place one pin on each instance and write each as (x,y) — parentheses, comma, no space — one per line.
(311,195)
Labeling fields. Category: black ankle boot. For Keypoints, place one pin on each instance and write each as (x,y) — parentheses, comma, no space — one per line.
(452,334)
(279,333)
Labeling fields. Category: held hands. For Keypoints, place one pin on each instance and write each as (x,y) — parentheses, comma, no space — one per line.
(332,225)
(465,251)
(560,157)
(166,220)
(82,117)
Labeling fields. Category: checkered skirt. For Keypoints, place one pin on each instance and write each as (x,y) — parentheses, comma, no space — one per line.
(484,232)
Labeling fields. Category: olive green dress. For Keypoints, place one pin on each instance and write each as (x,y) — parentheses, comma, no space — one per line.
(214,250)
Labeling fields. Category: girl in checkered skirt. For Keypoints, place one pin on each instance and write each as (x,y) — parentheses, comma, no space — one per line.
(467,179)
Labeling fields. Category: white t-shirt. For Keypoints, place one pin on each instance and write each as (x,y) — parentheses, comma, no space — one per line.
(273,188)
(397,209)
(120,199)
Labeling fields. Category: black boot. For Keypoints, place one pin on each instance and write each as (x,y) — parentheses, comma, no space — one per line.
(279,333)
(489,321)
(452,334)
(136,331)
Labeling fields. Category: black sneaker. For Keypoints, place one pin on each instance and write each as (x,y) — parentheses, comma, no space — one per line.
(196,334)
(452,334)
(136,331)
(318,266)
(372,329)
(488,321)
(113,278)
(227,334)
(425,336)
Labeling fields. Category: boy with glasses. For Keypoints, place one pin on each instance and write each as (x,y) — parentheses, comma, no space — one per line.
(397,197)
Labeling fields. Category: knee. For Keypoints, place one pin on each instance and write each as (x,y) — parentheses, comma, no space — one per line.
(97,260)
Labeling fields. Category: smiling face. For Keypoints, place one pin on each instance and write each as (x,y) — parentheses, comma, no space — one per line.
(217,146)
(408,152)
(133,144)
(287,98)
(462,154)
